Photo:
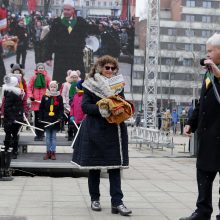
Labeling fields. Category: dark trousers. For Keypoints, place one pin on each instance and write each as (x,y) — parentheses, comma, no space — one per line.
(38,124)
(72,130)
(11,136)
(21,54)
(38,52)
(204,202)
(115,185)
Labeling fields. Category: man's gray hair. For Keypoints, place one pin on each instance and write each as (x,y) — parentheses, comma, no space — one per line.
(69,2)
(214,40)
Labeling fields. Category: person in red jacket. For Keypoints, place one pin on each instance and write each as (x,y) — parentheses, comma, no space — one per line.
(37,86)
(76,113)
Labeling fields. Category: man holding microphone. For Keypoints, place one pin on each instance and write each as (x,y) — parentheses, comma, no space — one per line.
(206,120)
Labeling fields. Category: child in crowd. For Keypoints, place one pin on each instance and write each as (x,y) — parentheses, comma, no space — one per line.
(76,113)
(37,86)
(64,91)
(51,110)
(72,92)
(71,76)
(12,109)
(17,71)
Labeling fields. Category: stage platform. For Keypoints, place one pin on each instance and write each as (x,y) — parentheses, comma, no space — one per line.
(30,158)
(28,139)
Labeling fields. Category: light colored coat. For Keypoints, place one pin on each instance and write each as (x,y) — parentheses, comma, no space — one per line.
(37,93)
(65,94)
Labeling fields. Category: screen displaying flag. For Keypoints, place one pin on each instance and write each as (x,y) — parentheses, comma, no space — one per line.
(31,5)
(3,18)
(124,11)
(128,9)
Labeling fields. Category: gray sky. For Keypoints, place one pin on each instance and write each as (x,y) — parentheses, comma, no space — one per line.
(141,9)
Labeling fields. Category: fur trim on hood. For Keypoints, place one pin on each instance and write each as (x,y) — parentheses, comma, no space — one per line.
(49,93)
(99,86)
(17,91)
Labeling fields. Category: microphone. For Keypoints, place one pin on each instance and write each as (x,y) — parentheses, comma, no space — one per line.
(202,63)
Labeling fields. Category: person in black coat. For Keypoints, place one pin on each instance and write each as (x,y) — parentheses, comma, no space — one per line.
(22,34)
(51,110)
(13,109)
(99,144)
(206,120)
(2,66)
(110,41)
(66,40)
(38,46)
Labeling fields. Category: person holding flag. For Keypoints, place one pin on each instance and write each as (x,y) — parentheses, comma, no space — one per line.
(3,18)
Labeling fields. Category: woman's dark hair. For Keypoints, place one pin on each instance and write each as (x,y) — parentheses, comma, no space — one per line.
(100,63)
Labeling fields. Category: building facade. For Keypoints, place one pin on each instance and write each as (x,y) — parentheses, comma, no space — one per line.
(92,8)
(185,25)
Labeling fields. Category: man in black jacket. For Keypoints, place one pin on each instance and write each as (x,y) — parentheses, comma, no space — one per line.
(67,40)
(206,120)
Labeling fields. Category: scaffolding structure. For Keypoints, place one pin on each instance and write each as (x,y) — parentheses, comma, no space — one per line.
(151,63)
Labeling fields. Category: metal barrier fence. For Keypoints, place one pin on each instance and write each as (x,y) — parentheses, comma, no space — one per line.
(153,138)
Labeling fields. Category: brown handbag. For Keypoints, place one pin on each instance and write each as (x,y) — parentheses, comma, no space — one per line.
(120,109)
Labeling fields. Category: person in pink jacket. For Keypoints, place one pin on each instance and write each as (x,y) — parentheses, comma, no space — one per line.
(37,86)
(76,113)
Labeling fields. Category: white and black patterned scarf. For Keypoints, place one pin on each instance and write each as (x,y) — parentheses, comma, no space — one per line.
(99,86)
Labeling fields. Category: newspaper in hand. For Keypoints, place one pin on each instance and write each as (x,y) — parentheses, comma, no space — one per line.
(116,82)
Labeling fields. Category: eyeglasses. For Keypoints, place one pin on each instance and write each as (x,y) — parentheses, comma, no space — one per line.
(110,67)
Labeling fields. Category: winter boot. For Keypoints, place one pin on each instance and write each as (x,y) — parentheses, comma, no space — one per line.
(15,149)
(47,155)
(8,171)
(53,155)
(5,172)
(7,144)
(2,161)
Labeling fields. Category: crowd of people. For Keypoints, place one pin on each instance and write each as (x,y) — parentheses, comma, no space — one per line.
(100,144)
(168,121)
(48,35)
(63,38)
(69,96)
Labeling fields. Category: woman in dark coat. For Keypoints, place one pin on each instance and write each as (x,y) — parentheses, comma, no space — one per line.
(101,145)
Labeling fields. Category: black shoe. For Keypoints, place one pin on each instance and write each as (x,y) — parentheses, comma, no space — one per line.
(14,155)
(70,138)
(196,216)
(121,209)
(95,206)
(41,138)
(36,138)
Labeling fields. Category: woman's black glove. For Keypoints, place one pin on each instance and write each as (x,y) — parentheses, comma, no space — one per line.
(32,99)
